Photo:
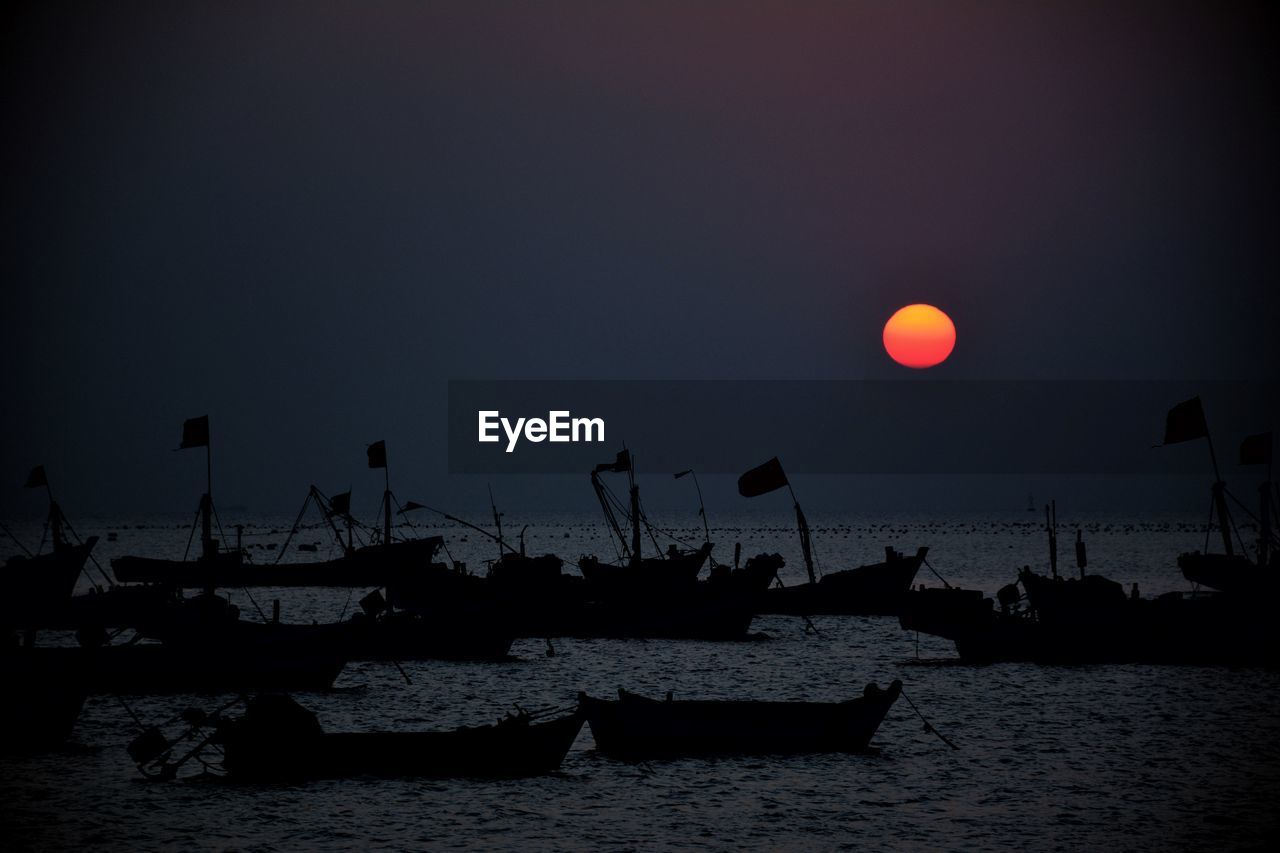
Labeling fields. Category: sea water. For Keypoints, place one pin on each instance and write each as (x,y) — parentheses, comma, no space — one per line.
(1136,757)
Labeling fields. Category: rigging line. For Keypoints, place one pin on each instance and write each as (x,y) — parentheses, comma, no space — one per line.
(43,535)
(928,727)
(293,529)
(221,535)
(644,519)
(245,590)
(16,539)
(935,572)
(191,535)
(92,558)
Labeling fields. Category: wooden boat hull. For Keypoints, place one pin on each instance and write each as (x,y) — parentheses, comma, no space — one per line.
(161,668)
(1202,630)
(569,606)
(873,590)
(44,694)
(648,574)
(636,728)
(34,587)
(206,623)
(372,566)
(1233,574)
(275,742)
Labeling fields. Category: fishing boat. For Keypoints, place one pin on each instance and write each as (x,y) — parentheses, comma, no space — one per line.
(377,632)
(35,585)
(150,667)
(638,728)
(43,697)
(1235,570)
(872,590)
(276,739)
(1091,619)
(214,562)
(869,590)
(533,596)
(672,569)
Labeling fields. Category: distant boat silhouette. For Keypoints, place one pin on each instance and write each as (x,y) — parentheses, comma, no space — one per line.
(1232,571)
(276,739)
(35,586)
(1091,619)
(634,572)
(636,728)
(874,589)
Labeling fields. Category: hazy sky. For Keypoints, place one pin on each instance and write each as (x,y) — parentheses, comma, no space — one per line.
(303,219)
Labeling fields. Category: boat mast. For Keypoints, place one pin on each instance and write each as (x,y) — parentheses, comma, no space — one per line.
(1219,496)
(386,504)
(635,511)
(609,515)
(1051,525)
(806,546)
(209,548)
(497,521)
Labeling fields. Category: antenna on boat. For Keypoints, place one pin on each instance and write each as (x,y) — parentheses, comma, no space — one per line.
(1051,525)
(1184,422)
(702,508)
(195,433)
(497,520)
(802,524)
(377,453)
(767,478)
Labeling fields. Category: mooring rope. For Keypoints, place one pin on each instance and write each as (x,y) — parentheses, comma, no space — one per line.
(928,727)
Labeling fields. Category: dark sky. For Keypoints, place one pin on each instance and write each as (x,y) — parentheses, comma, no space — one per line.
(305,218)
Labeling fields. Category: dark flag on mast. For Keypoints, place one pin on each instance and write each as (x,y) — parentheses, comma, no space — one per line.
(621,464)
(340,504)
(195,432)
(36,478)
(377,454)
(762,480)
(1256,449)
(1185,422)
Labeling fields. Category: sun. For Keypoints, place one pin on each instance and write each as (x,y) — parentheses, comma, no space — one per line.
(919,336)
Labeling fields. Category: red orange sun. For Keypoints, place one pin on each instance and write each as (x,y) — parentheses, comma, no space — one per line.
(919,336)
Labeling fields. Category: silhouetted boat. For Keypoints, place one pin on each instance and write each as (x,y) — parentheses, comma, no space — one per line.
(874,589)
(214,561)
(532,596)
(638,728)
(276,739)
(43,696)
(168,668)
(33,586)
(675,568)
(1092,620)
(208,621)
(1234,572)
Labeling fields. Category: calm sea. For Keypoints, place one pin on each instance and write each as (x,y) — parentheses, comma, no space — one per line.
(1131,757)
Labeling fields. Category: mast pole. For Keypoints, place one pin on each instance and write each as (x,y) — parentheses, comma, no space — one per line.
(802,525)
(635,508)
(497,520)
(55,516)
(702,508)
(206,505)
(1219,496)
(386,500)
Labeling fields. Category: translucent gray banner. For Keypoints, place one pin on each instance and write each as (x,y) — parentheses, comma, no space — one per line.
(851,427)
